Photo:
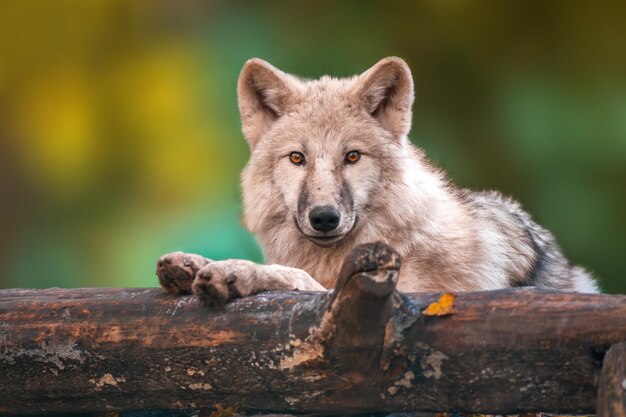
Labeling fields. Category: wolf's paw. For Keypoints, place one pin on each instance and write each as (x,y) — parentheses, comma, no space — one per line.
(221,281)
(177,270)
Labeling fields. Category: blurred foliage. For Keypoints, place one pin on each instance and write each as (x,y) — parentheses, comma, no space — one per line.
(120,138)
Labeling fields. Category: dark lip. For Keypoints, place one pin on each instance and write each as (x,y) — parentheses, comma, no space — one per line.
(325,241)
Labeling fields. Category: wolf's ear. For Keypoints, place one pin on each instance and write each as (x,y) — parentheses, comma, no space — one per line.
(264,94)
(386,92)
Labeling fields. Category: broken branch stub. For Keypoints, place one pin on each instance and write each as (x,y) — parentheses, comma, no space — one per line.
(361,304)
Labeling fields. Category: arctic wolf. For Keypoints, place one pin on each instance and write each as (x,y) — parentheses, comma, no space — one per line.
(331,167)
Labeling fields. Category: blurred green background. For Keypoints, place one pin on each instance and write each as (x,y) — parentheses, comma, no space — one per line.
(120,137)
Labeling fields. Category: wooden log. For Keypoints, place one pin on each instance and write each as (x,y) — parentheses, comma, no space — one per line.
(360,348)
(612,387)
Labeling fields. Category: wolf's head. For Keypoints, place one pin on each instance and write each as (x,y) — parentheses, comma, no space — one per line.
(320,149)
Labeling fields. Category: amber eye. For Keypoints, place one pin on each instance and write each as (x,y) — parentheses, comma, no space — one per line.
(353,157)
(296,158)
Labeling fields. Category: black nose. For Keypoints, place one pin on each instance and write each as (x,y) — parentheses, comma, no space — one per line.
(324,218)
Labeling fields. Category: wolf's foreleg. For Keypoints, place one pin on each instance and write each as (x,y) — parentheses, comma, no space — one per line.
(220,281)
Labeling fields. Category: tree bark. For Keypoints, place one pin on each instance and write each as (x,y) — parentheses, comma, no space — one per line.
(612,389)
(361,348)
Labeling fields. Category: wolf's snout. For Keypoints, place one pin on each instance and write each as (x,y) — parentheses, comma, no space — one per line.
(324,218)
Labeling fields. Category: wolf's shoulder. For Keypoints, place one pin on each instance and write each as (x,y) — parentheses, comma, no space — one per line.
(509,217)
(484,202)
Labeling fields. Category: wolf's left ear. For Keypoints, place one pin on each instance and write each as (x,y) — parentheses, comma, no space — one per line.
(386,92)
(264,93)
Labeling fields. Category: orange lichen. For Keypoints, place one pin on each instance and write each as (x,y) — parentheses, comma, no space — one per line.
(442,307)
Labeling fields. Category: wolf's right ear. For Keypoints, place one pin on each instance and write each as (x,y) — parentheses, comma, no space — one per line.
(264,93)
(385,91)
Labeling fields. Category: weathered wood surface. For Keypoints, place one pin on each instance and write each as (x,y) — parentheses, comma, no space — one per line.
(612,386)
(362,348)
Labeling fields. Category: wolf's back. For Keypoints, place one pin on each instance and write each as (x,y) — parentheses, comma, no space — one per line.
(528,241)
